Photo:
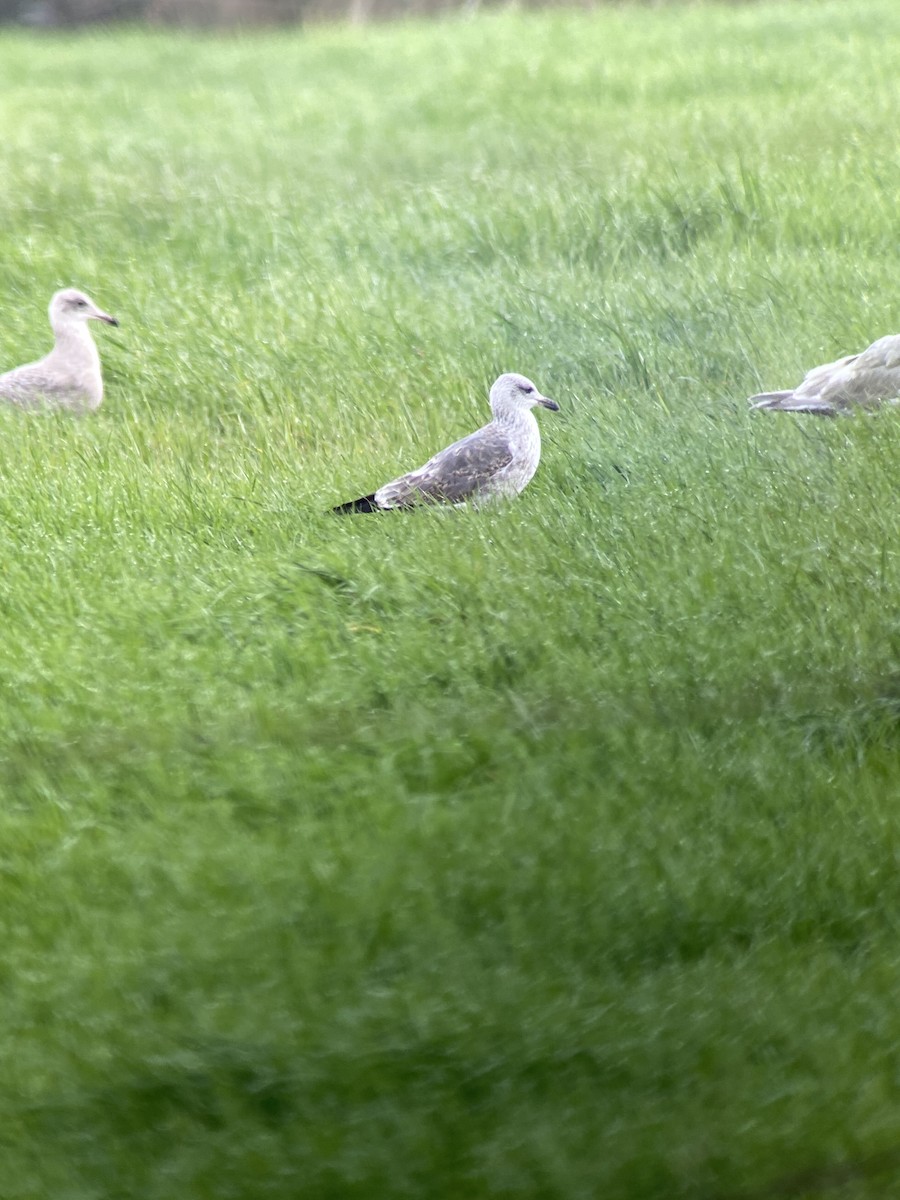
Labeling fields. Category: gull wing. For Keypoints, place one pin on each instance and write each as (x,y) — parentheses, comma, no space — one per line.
(454,475)
(29,384)
(870,377)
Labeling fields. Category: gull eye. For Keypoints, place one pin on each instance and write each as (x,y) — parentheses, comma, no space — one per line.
(527,390)
(81,303)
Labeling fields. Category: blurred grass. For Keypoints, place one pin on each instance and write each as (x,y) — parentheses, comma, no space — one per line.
(544,851)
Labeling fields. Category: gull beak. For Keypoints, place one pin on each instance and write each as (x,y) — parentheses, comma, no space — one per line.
(102,316)
(546,402)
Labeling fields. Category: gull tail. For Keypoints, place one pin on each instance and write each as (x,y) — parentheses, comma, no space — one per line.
(365,504)
(769,399)
(789,402)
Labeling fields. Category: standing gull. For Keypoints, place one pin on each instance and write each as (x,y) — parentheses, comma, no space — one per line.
(867,379)
(497,460)
(69,376)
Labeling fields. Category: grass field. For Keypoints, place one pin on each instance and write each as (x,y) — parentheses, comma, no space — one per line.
(549,851)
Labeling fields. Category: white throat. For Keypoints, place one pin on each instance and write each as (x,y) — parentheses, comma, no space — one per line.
(521,429)
(74,340)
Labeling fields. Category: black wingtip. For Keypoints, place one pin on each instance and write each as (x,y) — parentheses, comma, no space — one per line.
(365,504)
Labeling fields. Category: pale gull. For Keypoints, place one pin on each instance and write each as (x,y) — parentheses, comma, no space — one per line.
(865,380)
(69,376)
(496,461)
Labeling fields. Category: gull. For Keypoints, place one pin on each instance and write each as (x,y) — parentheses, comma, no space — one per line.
(495,461)
(69,376)
(867,379)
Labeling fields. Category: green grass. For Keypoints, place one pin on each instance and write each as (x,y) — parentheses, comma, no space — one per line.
(549,851)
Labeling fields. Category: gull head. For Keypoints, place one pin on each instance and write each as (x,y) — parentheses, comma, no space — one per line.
(69,307)
(513,394)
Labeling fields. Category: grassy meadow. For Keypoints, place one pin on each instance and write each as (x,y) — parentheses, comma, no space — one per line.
(547,851)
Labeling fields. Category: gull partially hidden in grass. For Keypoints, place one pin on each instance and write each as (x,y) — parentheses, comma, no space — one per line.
(496,461)
(864,380)
(69,376)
